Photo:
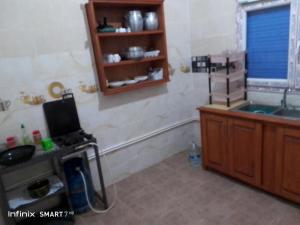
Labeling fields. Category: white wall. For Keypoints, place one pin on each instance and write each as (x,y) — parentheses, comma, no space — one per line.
(46,41)
(213,26)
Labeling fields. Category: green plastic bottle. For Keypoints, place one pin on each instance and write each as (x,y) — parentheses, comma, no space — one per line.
(25,137)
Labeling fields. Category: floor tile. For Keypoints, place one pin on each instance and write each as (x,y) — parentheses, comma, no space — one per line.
(174,193)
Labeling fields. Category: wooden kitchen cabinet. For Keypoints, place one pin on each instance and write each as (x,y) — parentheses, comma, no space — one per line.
(288,160)
(263,151)
(245,149)
(232,146)
(214,141)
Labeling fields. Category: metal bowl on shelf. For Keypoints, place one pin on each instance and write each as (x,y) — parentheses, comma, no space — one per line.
(39,188)
(135,53)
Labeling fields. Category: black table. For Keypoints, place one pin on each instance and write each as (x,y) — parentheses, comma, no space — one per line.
(57,157)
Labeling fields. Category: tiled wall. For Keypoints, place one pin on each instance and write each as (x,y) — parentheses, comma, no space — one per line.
(46,41)
(212,26)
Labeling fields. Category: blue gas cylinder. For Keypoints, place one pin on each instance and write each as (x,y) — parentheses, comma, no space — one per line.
(76,185)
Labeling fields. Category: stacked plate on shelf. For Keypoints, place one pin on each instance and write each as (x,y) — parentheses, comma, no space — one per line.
(157,74)
(151,54)
(116,84)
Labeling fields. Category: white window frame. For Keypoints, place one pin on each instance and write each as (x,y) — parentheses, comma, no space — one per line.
(293,66)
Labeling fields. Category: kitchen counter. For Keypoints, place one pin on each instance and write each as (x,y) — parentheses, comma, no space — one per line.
(258,149)
(273,119)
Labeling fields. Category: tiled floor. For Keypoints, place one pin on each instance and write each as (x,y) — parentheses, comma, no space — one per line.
(173,193)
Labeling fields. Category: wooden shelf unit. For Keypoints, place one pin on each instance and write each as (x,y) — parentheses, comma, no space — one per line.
(228,76)
(116,43)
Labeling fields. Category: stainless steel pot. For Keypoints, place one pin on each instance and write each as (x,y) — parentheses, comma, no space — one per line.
(151,21)
(134,20)
(135,53)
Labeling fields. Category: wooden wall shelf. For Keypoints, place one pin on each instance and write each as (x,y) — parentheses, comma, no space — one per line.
(116,43)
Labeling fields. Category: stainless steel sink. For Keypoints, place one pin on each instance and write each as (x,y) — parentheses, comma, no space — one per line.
(259,109)
(281,111)
(269,110)
(288,113)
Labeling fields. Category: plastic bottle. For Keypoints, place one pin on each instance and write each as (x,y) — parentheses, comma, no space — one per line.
(194,155)
(25,137)
(11,142)
(37,137)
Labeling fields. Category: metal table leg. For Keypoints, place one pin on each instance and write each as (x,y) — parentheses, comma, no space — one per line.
(87,166)
(104,198)
(4,205)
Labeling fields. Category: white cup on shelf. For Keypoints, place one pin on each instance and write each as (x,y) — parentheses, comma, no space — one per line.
(109,58)
(116,58)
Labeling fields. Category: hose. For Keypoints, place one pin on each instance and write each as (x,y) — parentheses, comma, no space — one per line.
(86,191)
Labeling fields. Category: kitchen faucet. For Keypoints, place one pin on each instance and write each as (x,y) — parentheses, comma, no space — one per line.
(284,99)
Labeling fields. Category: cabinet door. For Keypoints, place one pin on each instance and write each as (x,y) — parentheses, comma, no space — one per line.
(288,161)
(245,149)
(214,132)
(269,155)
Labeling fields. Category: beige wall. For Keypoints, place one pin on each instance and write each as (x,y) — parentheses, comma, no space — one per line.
(213,26)
(42,42)
(46,41)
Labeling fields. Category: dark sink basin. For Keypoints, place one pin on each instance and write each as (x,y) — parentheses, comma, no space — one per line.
(288,113)
(260,109)
(16,155)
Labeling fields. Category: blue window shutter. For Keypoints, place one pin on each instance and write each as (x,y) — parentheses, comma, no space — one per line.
(268,43)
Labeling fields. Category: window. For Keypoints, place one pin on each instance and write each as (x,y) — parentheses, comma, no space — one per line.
(267,30)
(268,43)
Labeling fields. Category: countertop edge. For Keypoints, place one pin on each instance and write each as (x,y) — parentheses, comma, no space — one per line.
(251,116)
